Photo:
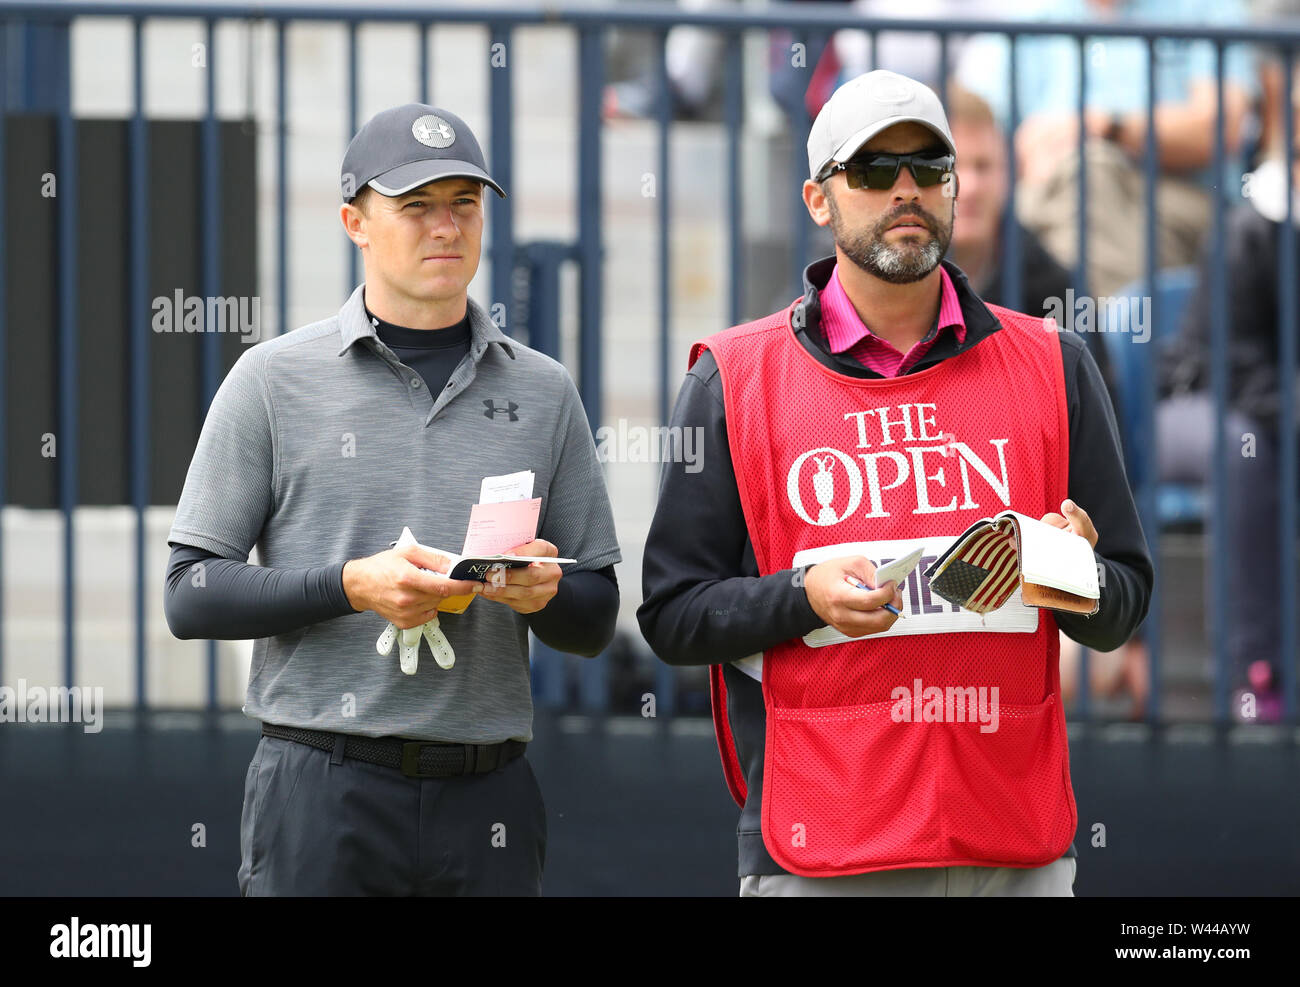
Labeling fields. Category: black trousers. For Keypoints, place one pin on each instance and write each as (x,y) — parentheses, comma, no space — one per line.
(314,827)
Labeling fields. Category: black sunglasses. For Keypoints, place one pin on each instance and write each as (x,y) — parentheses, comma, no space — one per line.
(880,170)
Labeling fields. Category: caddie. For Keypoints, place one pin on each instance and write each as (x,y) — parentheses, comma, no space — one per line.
(886,410)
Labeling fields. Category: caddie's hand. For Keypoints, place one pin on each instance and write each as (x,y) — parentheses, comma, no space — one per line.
(1076,519)
(851,611)
(527,589)
(395,585)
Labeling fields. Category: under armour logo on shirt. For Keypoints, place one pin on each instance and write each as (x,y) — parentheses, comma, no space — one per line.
(492,409)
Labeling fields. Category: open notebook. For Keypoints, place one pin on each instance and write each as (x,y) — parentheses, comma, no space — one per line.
(1053,567)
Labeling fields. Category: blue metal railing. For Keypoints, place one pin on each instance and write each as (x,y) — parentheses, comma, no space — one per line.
(4,341)
(139,295)
(591,25)
(69,413)
(1287,461)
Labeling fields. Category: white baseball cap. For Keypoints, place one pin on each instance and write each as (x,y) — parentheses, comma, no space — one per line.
(863,107)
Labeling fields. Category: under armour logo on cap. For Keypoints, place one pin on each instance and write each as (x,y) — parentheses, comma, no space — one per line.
(492,409)
(433,131)
(404,147)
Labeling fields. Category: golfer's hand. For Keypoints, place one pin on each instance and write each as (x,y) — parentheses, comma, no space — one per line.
(851,611)
(1076,519)
(395,585)
(528,589)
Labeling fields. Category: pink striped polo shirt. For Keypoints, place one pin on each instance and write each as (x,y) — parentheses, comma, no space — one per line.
(846,333)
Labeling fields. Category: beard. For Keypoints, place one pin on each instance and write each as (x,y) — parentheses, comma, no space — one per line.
(900,263)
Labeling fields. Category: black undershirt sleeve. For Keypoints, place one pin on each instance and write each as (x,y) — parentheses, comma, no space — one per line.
(229,600)
(580,618)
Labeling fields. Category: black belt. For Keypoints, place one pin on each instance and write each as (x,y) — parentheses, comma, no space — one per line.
(415,758)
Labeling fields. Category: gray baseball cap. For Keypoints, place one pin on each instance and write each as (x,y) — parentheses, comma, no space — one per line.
(863,107)
(404,147)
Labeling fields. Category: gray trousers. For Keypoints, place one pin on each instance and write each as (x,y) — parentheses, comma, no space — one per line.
(1054,880)
(316,825)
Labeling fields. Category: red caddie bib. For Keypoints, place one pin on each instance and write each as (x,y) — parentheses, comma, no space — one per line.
(940,742)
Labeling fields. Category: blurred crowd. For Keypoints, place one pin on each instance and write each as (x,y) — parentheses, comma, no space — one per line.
(1048,169)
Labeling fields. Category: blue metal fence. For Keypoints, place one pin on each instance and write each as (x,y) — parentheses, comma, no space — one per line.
(592,26)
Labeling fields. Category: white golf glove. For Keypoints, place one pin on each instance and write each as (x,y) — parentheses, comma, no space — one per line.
(409,654)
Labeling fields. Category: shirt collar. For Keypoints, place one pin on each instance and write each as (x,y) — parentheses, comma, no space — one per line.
(354,325)
(844,329)
(805,318)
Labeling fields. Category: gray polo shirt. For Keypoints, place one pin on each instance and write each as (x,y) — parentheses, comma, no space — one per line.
(321,444)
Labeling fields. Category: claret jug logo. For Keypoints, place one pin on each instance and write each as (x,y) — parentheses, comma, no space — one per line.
(824,485)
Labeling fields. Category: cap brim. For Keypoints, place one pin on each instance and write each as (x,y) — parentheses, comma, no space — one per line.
(851,146)
(400,180)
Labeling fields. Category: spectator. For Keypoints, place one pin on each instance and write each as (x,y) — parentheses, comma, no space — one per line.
(911,53)
(1116,130)
(977,246)
(692,58)
(978,250)
(1270,137)
(1185,420)
(849,53)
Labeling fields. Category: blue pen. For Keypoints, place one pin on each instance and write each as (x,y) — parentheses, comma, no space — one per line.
(857,585)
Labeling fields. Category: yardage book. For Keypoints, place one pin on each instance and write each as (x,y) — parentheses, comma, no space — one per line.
(505,516)
(1053,567)
(476,566)
(464,567)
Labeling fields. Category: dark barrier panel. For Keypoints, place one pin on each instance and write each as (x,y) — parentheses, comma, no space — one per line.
(103,237)
(634,807)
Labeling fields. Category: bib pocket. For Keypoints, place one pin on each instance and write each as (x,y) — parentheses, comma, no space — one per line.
(859,788)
